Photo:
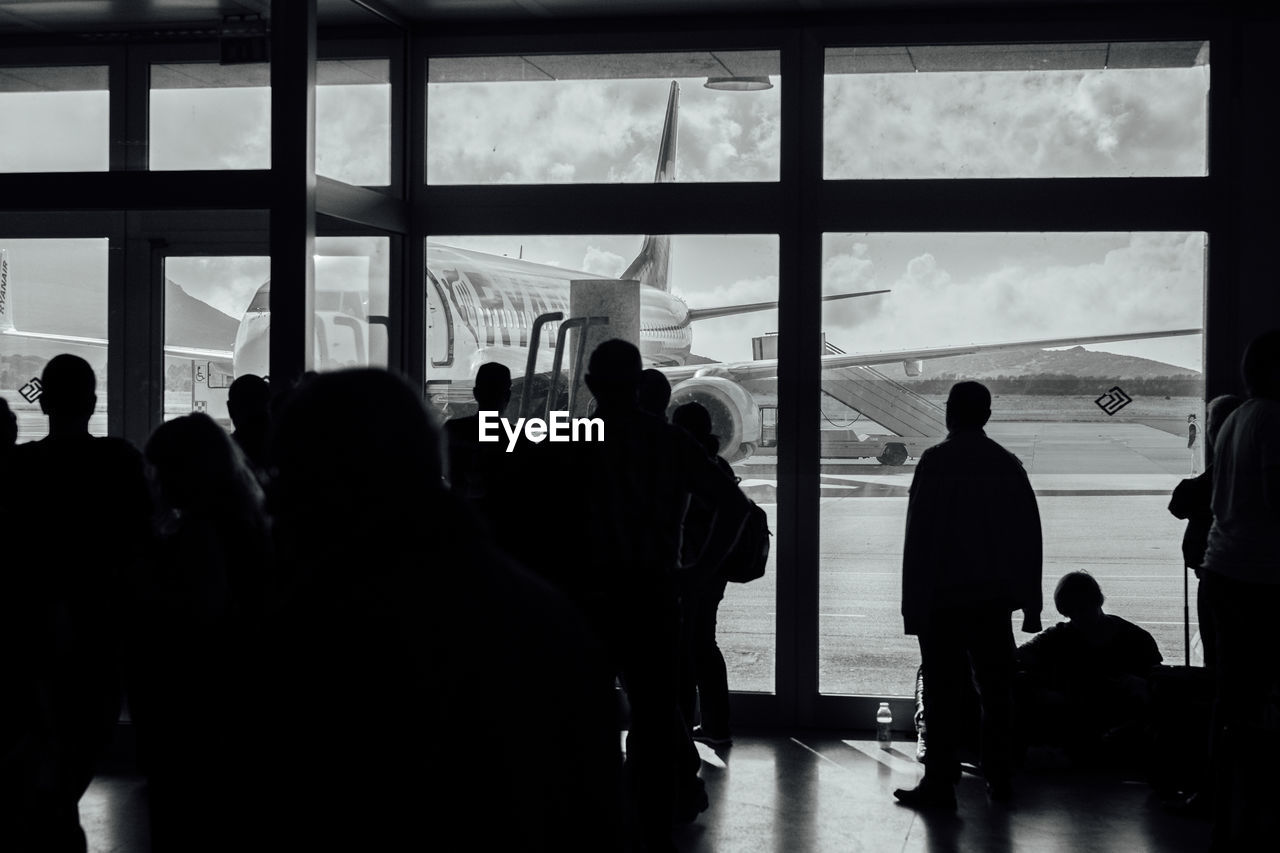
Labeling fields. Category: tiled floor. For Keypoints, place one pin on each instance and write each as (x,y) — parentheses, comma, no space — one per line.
(804,794)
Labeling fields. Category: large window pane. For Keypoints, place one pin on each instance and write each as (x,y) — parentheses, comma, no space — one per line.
(598,119)
(218,318)
(1016,111)
(54,119)
(210,116)
(53,299)
(215,328)
(1102,480)
(484,292)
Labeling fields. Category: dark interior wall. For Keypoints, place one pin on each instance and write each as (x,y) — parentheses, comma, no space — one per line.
(1245,299)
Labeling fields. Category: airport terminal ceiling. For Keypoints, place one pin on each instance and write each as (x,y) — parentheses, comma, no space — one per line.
(44,17)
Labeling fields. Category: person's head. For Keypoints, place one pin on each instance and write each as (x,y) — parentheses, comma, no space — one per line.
(694,419)
(968,406)
(8,426)
(492,390)
(197,468)
(654,393)
(1190,418)
(68,391)
(1078,596)
(1260,366)
(1215,413)
(357,465)
(613,374)
(249,402)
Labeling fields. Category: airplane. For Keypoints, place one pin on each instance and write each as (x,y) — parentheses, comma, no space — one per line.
(481,307)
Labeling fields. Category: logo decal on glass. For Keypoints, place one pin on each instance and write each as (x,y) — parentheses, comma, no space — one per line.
(1113,401)
(32,390)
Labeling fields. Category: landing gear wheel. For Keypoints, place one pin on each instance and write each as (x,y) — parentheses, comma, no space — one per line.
(893,454)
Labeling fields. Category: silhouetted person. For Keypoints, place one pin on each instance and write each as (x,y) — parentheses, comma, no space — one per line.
(1191,501)
(8,431)
(620,503)
(1086,678)
(654,393)
(972,555)
(409,650)
(704,680)
(1241,571)
(1193,443)
(475,466)
(208,577)
(249,405)
(82,509)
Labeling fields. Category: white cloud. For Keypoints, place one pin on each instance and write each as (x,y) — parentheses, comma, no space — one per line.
(603,263)
(1154,281)
(1114,122)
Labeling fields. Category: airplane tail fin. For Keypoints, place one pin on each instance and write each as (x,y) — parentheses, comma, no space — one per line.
(6,298)
(651,265)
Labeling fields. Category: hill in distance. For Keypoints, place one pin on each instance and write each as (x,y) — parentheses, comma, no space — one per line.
(1076,361)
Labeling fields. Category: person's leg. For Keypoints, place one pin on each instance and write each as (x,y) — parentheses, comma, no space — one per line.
(1245,782)
(991,650)
(712,676)
(946,668)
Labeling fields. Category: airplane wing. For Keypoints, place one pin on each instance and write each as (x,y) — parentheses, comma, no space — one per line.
(747,308)
(76,340)
(767,368)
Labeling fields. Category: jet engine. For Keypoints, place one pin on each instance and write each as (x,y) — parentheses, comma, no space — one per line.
(734,414)
(913,366)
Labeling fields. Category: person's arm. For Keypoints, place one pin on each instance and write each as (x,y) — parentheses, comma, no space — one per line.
(917,545)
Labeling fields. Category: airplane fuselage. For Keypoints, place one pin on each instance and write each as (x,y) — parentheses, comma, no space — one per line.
(482,308)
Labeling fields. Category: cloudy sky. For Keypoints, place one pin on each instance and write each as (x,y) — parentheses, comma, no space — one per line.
(947,289)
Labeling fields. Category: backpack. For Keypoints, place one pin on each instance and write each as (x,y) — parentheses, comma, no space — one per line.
(747,559)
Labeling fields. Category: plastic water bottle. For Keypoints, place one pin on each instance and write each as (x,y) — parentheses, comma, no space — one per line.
(884,724)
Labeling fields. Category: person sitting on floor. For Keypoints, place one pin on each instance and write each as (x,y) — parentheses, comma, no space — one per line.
(1085,680)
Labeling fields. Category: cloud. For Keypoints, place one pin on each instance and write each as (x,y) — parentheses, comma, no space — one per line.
(1152,281)
(1113,122)
(595,131)
(603,263)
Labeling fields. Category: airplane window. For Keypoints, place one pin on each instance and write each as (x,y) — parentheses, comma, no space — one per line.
(717,282)
(55,119)
(1016,111)
(53,299)
(600,118)
(211,116)
(1102,468)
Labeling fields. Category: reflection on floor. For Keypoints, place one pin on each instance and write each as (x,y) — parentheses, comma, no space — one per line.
(803,794)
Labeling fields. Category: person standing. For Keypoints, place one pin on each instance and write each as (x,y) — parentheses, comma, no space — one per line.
(1193,435)
(972,556)
(1241,577)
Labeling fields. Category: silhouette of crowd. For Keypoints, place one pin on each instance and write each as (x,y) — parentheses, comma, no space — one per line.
(332,629)
(322,643)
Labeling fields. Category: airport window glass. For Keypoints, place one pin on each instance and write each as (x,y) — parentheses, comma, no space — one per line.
(55,119)
(218,318)
(1016,111)
(210,116)
(53,299)
(1102,468)
(483,294)
(352,281)
(599,118)
(216,327)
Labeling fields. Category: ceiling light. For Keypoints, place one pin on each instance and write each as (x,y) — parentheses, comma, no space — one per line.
(738,84)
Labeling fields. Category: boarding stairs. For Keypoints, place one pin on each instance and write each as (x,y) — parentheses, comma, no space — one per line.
(887,402)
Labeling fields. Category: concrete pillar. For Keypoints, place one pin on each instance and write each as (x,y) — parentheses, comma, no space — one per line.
(617,300)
